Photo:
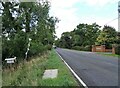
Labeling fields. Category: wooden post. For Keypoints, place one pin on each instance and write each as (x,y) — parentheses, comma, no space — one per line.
(113,49)
(102,48)
(93,48)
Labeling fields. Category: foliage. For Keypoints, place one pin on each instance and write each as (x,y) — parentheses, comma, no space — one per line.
(107,37)
(49,47)
(15,46)
(117,49)
(24,20)
(66,40)
(117,41)
(81,48)
(86,35)
(76,47)
(83,35)
(36,48)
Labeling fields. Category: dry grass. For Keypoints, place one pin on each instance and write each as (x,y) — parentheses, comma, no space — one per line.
(30,73)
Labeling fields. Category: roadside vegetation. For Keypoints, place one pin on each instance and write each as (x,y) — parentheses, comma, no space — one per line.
(22,22)
(85,35)
(30,73)
(108,54)
(28,33)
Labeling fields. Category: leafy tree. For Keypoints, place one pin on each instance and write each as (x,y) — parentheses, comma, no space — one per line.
(83,35)
(87,33)
(24,20)
(107,36)
(117,41)
(66,40)
(77,40)
(92,33)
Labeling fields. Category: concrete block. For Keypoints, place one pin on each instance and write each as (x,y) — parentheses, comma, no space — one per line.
(51,73)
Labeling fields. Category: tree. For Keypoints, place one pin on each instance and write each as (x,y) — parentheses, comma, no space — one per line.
(92,33)
(24,20)
(8,19)
(107,36)
(83,35)
(65,41)
(87,34)
(117,41)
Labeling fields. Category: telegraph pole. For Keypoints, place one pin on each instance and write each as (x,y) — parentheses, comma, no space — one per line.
(119,16)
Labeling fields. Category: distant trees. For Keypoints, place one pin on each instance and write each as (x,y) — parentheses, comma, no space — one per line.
(24,20)
(66,40)
(85,35)
(82,35)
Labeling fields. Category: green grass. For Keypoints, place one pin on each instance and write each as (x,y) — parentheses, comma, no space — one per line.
(0,76)
(113,55)
(30,73)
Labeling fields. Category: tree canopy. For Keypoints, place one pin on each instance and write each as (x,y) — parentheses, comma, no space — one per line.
(86,35)
(107,37)
(24,20)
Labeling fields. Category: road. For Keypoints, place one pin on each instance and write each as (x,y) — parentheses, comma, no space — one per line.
(93,69)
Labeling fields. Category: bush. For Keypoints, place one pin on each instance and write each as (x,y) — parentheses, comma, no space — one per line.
(36,48)
(15,46)
(108,46)
(88,48)
(117,49)
(49,47)
(76,47)
(82,48)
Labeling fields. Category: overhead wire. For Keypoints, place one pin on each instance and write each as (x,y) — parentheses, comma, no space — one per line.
(111,20)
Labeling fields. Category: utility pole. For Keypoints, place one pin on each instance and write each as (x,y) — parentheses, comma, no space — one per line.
(119,16)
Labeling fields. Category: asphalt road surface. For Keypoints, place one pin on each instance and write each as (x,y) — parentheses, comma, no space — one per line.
(93,69)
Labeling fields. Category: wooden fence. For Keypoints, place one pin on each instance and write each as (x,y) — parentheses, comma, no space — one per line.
(102,48)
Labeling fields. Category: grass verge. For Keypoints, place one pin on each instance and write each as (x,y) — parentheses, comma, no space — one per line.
(30,73)
(105,54)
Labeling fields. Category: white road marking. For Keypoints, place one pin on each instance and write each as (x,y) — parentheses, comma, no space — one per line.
(79,79)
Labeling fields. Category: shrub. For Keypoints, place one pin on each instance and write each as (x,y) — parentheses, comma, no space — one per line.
(88,48)
(49,47)
(36,48)
(117,49)
(15,46)
(76,47)
(82,48)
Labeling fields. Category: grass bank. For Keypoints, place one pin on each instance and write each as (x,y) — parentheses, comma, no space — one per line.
(109,54)
(30,73)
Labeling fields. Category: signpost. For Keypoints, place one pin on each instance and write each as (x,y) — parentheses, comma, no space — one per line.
(10,60)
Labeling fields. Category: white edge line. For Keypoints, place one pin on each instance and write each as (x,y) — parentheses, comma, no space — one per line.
(79,79)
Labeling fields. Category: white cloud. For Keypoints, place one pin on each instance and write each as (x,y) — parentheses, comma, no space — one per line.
(63,3)
(99,2)
(100,21)
(68,20)
(67,13)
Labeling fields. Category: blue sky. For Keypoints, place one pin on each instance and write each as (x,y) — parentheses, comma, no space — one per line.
(73,12)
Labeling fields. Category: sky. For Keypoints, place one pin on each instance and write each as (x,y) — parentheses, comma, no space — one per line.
(73,12)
